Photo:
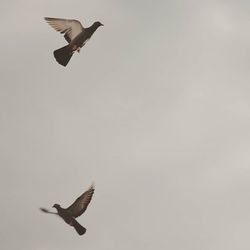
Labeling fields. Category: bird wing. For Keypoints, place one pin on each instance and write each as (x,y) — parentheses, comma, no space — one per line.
(46,211)
(70,27)
(81,203)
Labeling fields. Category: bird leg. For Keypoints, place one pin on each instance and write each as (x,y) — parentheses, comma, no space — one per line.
(76,48)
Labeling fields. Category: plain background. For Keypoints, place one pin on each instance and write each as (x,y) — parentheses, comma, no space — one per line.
(155,110)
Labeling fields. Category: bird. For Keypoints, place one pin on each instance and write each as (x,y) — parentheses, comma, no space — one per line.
(77,208)
(74,33)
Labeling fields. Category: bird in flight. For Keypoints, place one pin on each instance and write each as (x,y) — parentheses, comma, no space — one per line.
(73,211)
(74,33)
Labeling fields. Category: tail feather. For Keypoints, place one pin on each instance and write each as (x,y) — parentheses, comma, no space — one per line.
(63,55)
(79,228)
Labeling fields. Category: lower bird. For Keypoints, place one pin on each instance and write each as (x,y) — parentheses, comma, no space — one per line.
(73,211)
(74,33)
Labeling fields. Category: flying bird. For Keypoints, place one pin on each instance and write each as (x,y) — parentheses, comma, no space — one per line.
(74,33)
(73,211)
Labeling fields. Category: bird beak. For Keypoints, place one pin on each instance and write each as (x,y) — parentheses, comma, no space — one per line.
(102,24)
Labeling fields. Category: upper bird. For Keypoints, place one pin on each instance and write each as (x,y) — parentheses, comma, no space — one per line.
(75,34)
(73,211)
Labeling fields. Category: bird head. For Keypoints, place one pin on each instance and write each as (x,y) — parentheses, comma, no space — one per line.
(98,24)
(56,206)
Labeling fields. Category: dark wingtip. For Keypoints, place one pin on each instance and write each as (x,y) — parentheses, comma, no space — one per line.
(44,210)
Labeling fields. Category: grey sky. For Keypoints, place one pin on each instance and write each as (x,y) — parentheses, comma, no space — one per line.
(155,110)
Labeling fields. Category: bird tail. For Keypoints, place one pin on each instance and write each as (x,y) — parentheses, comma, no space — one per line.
(79,228)
(63,55)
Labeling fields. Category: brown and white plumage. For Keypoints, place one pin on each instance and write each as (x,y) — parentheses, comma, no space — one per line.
(70,27)
(75,210)
(75,34)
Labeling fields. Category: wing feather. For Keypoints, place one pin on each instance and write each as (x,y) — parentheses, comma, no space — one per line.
(70,27)
(81,203)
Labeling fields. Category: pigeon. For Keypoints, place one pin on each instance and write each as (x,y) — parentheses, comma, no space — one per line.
(74,33)
(73,211)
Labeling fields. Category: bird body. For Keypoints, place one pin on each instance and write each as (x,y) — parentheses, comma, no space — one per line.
(80,40)
(75,34)
(68,217)
(64,214)
(75,210)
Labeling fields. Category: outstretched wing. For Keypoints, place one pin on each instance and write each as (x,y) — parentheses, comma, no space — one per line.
(70,27)
(46,211)
(81,203)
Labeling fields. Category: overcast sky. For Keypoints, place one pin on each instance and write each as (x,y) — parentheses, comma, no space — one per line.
(155,110)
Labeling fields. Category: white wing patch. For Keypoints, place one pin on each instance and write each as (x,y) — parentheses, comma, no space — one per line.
(70,27)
